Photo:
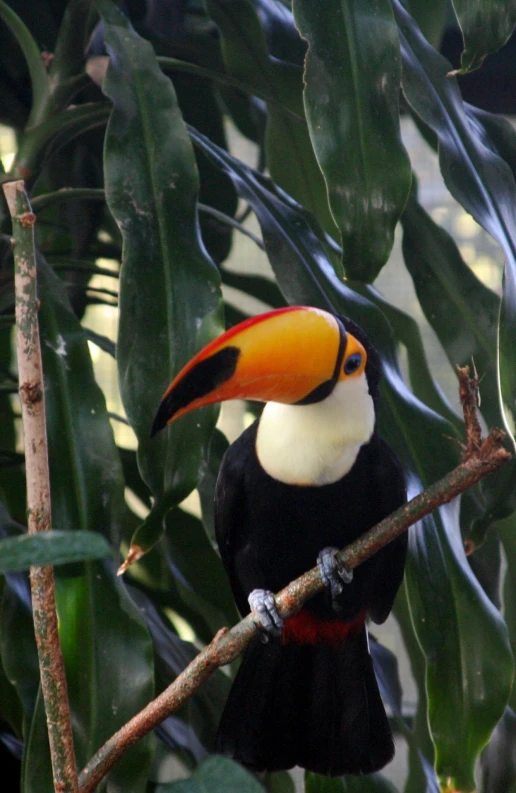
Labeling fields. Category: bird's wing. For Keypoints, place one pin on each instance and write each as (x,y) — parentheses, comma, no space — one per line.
(391,494)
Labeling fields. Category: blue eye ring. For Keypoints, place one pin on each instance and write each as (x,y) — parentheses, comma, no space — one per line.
(352,363)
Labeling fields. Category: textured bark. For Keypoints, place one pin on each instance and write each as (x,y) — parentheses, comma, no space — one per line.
(39,517)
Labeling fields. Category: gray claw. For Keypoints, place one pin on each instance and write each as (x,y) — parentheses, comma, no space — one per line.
(333,573)
(264,608)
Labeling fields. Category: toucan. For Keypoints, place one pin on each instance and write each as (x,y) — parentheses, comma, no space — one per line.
(307,478)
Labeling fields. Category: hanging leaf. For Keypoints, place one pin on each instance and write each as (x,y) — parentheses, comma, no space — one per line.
(169,289)
(486,26)
(286,137)
(462,645)
(352,78)
(475,175)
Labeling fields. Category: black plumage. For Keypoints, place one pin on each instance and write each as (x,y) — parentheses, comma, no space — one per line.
(313,705)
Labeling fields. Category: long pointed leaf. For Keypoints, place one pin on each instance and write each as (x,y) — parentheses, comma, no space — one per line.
(475,175)
(352,78)
(464,314)
(469,664)
(462,311)
(245,53)
(486,26)
(169,289)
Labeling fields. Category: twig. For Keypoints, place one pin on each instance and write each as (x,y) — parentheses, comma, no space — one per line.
(481,458)
(53,680)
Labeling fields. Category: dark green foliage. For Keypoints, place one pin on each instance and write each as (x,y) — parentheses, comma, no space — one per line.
(141,147)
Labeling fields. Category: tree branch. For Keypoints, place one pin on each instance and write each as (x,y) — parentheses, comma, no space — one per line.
(481,457)
(53,680)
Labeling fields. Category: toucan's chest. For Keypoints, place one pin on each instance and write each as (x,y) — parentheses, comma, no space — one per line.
(303,519)
(281,528)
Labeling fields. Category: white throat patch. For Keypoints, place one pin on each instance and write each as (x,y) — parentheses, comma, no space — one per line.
(316,444)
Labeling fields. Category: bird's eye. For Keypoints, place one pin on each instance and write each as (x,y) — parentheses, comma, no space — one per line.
(352,363)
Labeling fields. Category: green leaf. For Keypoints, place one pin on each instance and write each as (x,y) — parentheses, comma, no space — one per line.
(506,530)
(19,658)
(352,79)
(169,290)
(201,581)
(51,547)
(200,106)
(497,772)
(464,639)
(462,311)
(486,26)
(65,263)
(44,140)
(431,18)
(67,194)
(11,711)
(71,44)
(407,331)
(464,314)
(12,479)
(38,76)
(215,775)
(475,175)
(133,479)
(256,285)
(279,782)
(86,477)
(206,487)
(286,139)
(421,773)
(173,654)
(461,672)
(371,783)
(507,349)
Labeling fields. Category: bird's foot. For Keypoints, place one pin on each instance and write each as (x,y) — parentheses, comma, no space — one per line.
(265,613)
(333,573)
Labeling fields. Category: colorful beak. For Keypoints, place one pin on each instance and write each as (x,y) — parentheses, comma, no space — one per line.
(291,355)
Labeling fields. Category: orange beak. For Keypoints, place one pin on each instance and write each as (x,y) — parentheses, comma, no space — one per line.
(291,355)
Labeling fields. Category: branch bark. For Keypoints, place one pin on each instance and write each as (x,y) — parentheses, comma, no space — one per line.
(53,680)
(481,457)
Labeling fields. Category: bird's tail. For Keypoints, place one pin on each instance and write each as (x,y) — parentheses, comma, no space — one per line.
(316,706)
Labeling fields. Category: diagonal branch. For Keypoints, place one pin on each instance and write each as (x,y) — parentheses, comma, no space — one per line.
(53,680)
(481,458)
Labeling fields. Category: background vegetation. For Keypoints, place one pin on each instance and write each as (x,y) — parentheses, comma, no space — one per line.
(130,165)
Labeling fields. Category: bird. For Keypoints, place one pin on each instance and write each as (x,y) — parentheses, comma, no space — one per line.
(308,477)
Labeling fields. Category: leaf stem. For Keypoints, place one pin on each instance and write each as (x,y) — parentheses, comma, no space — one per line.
(31,390)
(481,458)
